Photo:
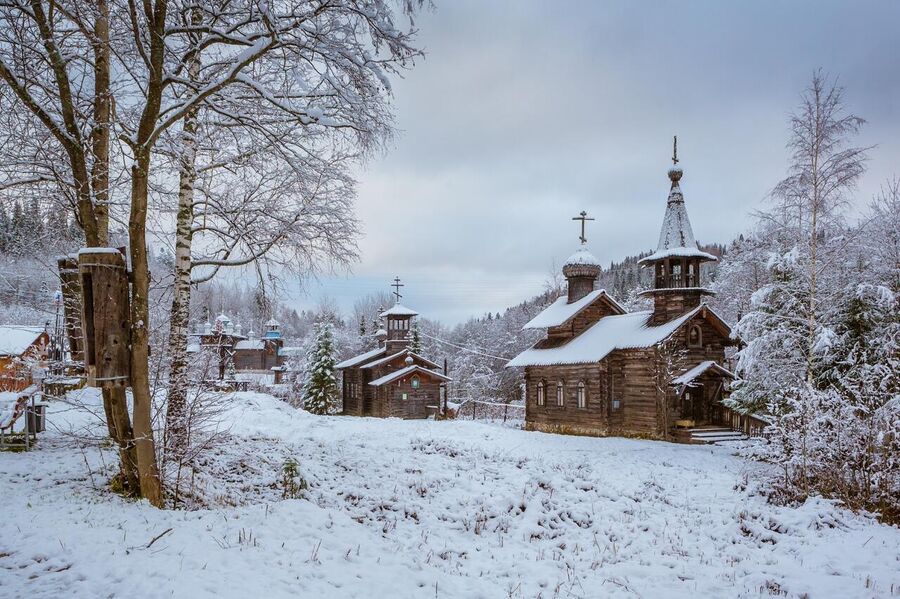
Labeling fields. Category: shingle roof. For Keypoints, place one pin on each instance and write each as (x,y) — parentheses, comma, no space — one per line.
(361,358)
(559,312)
(625,331)
(393,376)
(15,339)
(399,310)
(676,237)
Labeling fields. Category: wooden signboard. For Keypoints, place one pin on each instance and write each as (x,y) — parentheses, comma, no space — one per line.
(105,317)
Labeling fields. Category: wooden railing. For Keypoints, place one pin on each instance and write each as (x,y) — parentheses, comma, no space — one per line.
(677,281)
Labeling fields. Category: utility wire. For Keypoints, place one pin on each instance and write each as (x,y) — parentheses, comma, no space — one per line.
(463,348)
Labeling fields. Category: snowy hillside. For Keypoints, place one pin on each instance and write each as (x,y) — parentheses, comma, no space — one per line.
(427,509)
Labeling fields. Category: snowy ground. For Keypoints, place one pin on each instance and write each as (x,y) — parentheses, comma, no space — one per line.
(429,509)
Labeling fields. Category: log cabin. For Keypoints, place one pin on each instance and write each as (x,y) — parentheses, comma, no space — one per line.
(601,370)
(392,380)
(22,349)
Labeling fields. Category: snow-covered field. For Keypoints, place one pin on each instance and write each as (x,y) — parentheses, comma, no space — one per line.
(428,509)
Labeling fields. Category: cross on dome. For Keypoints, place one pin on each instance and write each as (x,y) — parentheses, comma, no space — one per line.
(583,217)
(397,285)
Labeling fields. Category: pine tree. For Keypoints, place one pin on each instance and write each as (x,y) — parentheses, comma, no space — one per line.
(416,345)
(321,391)
(4,229)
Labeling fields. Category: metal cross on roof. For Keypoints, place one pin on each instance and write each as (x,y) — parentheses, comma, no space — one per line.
(675,150)
(583,217)
(397,285)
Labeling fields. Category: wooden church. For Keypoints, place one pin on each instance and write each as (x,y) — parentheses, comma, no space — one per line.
(392,380)
(602,370)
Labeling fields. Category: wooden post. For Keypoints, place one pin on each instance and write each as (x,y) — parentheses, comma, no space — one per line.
(105,317)
(446,389)
(70,285)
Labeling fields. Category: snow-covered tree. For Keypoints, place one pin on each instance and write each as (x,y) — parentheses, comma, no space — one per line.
(416,342)
(320,391)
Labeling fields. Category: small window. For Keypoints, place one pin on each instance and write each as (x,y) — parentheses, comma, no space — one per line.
(615,403)
(541,393)
(560,400)
(405,396)
(695,336)
(581,395)
(415,382)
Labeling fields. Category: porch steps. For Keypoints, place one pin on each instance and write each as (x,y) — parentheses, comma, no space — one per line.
(715,435)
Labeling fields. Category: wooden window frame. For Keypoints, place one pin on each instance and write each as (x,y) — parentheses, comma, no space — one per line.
(581,395)
(699,342)
(415,382)
(560,394)
(542,393)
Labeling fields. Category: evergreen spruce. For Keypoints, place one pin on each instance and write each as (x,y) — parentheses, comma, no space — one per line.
(320,392)
(416,345)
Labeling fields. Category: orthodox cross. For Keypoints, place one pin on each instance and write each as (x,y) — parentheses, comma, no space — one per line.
(397,285)
(583,217)
(675,150)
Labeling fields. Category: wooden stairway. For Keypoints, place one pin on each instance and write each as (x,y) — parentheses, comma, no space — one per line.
(705,435)
(712,434)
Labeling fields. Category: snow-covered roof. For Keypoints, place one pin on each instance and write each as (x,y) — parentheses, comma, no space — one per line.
(15,339)
(250,344)
(582,257)
(222,318)
(690,375)
(399,310)
(559,312)
(623,331)
(355,360)
(290,351)
(193,348)
(272,323)
(405,352)
(398,374)
(676,237)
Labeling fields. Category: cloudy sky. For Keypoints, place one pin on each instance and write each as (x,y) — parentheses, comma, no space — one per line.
(526,112)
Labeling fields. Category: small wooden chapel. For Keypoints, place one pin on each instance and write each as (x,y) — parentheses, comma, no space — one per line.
(392,380)
(601,370)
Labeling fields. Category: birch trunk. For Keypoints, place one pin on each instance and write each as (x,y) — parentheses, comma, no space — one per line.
(177,429)
(177,434)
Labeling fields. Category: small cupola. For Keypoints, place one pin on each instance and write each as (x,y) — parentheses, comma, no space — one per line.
(581,271)
(582,268)
(272,329)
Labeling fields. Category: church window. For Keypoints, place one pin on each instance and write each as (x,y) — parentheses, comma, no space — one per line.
(560,401)
(415,382)
(581,395)
(541,393)
(695,336)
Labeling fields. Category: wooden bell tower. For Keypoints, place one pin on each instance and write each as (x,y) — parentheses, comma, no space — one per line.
(677,285)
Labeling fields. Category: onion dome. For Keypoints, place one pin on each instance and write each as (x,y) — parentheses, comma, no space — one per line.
(581,264)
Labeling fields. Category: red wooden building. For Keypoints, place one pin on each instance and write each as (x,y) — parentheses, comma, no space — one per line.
(601,370)
(22,350)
